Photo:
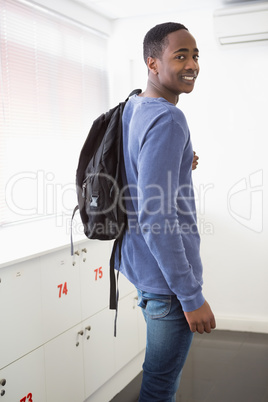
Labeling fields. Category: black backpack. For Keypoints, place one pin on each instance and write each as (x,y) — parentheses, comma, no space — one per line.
(99,184)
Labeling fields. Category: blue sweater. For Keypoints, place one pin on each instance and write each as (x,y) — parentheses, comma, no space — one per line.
(160,251)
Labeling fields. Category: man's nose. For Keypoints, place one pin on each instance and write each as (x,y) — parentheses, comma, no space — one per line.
(192,65)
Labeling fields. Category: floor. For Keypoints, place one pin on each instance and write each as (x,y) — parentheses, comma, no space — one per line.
(223,366)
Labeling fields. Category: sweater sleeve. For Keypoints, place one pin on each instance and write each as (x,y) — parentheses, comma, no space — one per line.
(160,177)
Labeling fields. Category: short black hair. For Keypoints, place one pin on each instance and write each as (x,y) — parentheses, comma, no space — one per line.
(156,39)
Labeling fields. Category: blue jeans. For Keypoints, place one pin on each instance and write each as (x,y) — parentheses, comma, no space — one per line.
(168,342)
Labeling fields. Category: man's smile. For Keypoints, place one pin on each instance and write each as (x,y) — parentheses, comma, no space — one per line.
(189,77)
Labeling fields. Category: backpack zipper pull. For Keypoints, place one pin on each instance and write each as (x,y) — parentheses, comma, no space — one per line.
(84,190)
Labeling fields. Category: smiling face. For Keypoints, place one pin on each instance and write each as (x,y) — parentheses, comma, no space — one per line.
(177,68)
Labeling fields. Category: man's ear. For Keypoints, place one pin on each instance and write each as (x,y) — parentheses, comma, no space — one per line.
(152,65)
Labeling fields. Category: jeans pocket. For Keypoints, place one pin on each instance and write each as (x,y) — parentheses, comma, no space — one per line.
(158,308)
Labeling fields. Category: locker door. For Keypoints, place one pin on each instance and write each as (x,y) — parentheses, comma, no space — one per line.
(125,287)
(99,359)
(95,277)
(21,310)
(127,339)
(60,293)
(64,367)
(142,330)
(24,380)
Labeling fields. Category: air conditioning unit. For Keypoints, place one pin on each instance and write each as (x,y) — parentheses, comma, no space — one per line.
(242,24)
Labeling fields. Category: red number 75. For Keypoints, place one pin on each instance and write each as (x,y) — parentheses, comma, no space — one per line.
(98,273)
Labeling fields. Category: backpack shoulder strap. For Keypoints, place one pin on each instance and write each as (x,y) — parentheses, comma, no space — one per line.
(134,92)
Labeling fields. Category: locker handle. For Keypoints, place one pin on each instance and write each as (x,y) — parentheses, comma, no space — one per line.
(3,382)
(88,329)
(81,333)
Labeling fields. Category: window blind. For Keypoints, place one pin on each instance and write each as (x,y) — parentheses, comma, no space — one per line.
(53,83)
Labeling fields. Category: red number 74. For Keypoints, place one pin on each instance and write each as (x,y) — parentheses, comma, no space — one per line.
(63,289)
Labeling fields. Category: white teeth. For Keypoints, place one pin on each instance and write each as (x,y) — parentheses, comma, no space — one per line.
(188,78)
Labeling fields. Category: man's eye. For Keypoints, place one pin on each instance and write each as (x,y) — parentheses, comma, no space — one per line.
(196,57)
(180,57)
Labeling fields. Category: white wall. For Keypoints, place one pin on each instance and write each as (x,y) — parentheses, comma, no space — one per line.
(78,12)
(227,115)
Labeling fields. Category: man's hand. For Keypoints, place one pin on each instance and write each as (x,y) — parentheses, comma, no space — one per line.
(195,161)
(201,320)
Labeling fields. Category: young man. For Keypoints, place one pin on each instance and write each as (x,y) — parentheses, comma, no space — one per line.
(160,250)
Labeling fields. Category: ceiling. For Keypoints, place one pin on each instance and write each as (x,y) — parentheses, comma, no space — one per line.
(114,9)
